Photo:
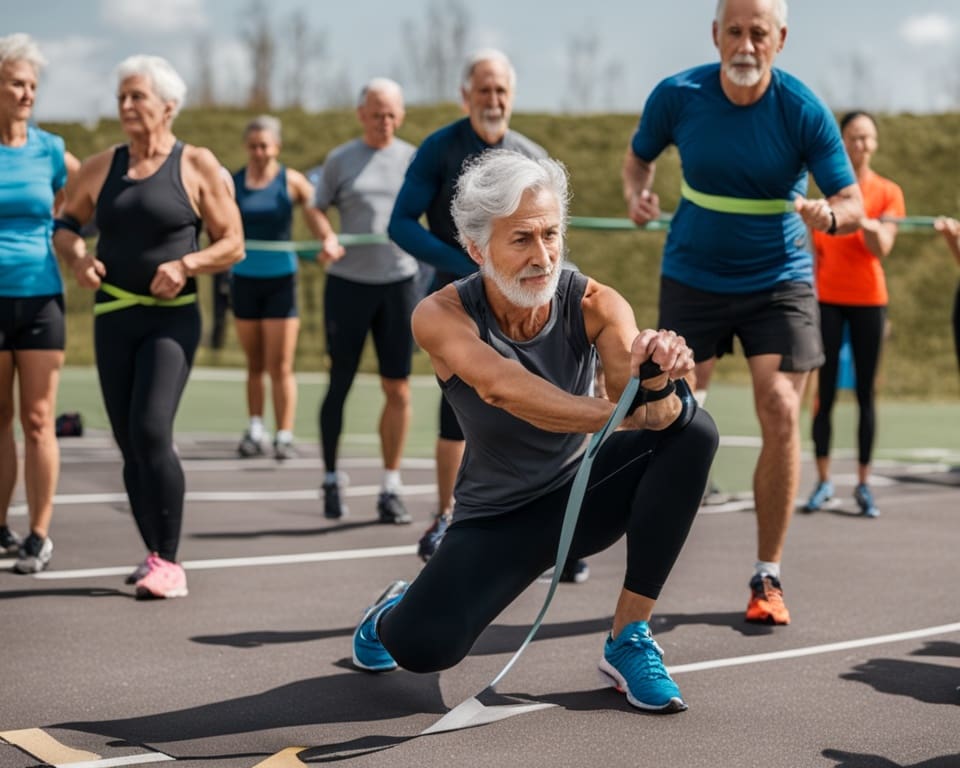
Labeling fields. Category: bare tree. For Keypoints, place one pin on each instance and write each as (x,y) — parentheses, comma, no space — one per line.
(204,91)
(437,49)
(588,76)
(259,40)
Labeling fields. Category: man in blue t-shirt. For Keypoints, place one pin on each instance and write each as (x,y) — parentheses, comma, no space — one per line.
(736,260)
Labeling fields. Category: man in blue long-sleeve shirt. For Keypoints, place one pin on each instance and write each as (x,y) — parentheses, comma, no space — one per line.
(487,89)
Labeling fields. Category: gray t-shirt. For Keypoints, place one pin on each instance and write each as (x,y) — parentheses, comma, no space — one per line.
(362,183)
(508,462)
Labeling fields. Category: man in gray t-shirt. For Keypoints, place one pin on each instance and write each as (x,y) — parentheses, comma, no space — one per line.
(369,288)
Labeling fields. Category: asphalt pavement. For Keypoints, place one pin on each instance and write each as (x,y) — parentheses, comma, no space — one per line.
(252,668)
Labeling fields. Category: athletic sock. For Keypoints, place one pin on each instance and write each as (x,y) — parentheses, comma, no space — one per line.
(256,429)
(284,436)
(700,396)
(770,569)
(330,478)
(391,480)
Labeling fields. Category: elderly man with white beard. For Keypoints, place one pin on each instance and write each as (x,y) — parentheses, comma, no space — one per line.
(737,259)
(514,348)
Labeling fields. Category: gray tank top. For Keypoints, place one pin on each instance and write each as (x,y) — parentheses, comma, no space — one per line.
(509,462)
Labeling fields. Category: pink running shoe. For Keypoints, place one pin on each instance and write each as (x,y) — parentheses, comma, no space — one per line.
(164,580)
(141,570)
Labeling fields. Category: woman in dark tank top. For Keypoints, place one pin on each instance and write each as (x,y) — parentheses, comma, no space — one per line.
(150,198)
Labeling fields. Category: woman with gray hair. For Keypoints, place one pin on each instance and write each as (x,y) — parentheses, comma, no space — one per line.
(34,167)
(149,197)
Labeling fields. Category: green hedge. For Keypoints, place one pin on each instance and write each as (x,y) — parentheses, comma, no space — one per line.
(921,153)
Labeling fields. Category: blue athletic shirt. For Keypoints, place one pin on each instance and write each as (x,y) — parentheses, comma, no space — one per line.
(30,177)
(267,215)
(429,187)
(760,151)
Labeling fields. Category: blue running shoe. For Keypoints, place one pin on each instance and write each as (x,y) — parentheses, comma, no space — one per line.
(864,499)
(432,537)
(368,652)
(820,496)
(634,662)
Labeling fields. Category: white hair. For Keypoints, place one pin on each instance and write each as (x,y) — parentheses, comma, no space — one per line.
(167,84)
(21,47)
(268,123)
(380,85)
(491,187)
(779,12)
(487,54)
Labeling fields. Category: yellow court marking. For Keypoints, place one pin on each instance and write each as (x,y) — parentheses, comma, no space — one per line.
(286,758)
(44,747)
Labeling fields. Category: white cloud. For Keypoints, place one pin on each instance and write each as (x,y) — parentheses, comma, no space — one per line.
(928,29)
(154,16)
(75,85)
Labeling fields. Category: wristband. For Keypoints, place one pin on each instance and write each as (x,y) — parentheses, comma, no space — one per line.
(649,370)
(67,222)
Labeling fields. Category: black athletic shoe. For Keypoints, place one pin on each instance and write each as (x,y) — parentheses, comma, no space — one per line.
(427,546)
(9,542)
(575,572)
(332,508)
(391,510)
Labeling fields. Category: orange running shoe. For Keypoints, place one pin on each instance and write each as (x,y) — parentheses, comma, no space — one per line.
(766,601)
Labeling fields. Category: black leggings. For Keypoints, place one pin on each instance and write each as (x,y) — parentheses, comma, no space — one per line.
(144,356)
(644,484)
(866,340)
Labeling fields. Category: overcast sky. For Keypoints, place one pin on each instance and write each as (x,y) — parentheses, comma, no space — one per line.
(885,56)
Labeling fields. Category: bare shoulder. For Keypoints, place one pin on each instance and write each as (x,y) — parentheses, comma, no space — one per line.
(201,160)
(440,313)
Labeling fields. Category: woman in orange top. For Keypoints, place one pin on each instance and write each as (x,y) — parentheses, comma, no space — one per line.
(852,290)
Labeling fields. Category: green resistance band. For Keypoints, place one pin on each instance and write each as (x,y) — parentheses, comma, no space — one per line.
(307,249)
(125,299)
(722,204)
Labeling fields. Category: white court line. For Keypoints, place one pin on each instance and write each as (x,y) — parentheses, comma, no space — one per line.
(307,494)
(110,762)
(813,650)
(244,562)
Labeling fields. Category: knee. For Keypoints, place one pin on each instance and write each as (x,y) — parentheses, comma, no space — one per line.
(422,646)
(37,422)
(397,392)
(778,410)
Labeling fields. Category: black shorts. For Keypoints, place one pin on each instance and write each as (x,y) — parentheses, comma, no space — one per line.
(351,309)
(32,322)
(259,298)
(784,320)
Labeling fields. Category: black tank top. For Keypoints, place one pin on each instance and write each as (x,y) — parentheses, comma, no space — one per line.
(509,462)
(144,222)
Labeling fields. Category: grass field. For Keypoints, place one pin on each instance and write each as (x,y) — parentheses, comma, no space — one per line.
(214,404)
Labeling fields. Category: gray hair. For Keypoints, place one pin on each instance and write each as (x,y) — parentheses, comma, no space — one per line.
(167,84)
(491,187)
(779,12)
(267,123)
(21,47)
(380,85)
(487,54)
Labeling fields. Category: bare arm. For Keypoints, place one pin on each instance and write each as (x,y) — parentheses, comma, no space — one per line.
(79,202)
(301,191)
(950,229)
(445,332)
(643,205)
(846,206)
(878,236)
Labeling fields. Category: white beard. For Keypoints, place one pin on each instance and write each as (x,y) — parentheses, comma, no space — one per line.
(746,78)
(514,290)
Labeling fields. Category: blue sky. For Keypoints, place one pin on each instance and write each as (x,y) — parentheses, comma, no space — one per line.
(889,57)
